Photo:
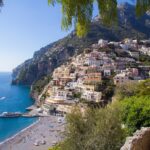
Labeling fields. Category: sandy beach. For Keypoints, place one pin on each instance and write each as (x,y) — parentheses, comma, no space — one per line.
(47,131)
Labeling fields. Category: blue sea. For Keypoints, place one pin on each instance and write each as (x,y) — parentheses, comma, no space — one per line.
(15,98)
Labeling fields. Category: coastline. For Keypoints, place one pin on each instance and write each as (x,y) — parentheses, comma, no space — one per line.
(20,132)
(45,128)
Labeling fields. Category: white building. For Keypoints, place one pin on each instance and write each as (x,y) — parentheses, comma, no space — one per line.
(71,85)
(120,78)
(91,95)
(92,61)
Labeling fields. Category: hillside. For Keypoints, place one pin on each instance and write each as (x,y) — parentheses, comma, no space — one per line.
(53,55)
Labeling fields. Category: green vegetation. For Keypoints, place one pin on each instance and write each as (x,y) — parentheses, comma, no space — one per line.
(96,129)
(80,12)
(133,89)
(136,112)
(135,103)
(144,88)
(22,75)
(77,95)
(106,87)
(106,128)
(126,90)
(39,85)
(145,59)
(57,147)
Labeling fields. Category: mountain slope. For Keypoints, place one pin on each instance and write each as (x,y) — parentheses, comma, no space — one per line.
(48,58)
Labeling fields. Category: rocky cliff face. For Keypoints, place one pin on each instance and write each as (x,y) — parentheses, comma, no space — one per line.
(48,58)
(139,141)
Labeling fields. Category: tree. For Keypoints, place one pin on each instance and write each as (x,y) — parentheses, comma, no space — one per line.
(136,112)
(56,147)
(126,90)
(144,88)
(96,129)
(135,102)
(106,87)
(79,12)
(133,89)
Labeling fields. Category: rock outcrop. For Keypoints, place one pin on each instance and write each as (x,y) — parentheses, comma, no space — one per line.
(139,141)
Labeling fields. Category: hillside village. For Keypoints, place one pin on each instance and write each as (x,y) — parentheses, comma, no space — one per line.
(91,77)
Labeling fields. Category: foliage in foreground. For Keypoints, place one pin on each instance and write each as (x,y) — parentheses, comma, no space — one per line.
(133,89)
(80,12)
(98,129)
(135,102)
(136,112)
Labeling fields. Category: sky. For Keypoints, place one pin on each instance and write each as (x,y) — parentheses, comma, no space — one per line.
(25,27)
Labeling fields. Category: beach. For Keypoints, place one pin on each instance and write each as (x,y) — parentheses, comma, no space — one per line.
(41,135)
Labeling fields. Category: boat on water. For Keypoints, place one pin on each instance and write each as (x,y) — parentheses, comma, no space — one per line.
(10,114)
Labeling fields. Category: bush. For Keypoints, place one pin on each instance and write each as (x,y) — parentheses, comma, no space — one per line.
(144,88)
(136,112)
(126,90)
(57,147)
(96,129)
(102,129)
(145,59)
(133,89)
(39,85)
(106,87)
(77,95)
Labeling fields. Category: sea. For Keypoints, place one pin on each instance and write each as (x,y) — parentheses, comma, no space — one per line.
(13,98)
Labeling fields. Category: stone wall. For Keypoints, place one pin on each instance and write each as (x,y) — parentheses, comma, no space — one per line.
(139,141)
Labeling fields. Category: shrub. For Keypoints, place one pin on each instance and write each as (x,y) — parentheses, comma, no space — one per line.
(133,89)
(126,90)
(39,85)
(77,95)
(144,88)
(136,112)
(96,129)
(56,147)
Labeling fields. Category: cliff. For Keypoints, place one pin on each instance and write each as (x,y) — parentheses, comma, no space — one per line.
(53,55)
(139,141)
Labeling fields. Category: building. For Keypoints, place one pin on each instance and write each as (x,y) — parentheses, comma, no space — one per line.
(120,79)
(91,96)
(92,61)
(60,72)
(64,108)
(92,78)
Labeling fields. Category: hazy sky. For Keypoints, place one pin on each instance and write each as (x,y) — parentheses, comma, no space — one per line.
(26,26)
